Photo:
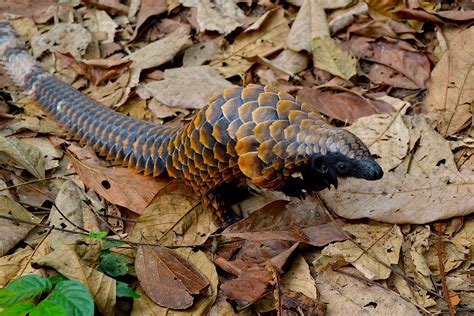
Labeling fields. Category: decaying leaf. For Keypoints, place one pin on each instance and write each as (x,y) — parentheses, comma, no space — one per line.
(178,282)
(119,186)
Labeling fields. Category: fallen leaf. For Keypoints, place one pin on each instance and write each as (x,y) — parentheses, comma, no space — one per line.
(382,241)
(22,155)
(345,106)
(51,154)
(310,23)
(220,15)
(188,87)
(202,305)
(66,261)
(292,301)
(182,219)
(148,8)
(336,288)
(40,10)
(119,186)
(298,278)
(270,35)
(94,72)
(200,53)
(71,38)
(342,18)
(179,280)
(329,56)
(12,233)
(451,88)
(276,222)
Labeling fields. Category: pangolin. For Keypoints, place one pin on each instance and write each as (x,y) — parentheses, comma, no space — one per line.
(253,133)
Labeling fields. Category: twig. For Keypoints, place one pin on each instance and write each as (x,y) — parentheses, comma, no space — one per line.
(442,273)
(38,180)
(36,249)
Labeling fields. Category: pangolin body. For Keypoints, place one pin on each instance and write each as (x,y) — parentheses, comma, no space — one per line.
(254,132)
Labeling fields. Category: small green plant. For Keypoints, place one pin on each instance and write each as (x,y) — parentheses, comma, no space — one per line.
(34,295)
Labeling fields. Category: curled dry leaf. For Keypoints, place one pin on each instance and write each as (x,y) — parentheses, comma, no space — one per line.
(148,8)
(276,222)
(221,16)
(179,280)
(95,72)
(119,186)
(451,88)
(293,301)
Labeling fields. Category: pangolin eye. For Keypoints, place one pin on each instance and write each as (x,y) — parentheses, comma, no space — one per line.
(341,167)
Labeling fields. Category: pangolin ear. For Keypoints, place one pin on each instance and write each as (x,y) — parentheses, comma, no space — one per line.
(318,164)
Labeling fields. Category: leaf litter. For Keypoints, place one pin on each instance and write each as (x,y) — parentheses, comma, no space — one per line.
(397,74)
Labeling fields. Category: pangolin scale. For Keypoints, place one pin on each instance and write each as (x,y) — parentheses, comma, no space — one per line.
(254,133)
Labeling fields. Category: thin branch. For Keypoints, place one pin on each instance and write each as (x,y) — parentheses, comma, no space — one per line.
(442,273)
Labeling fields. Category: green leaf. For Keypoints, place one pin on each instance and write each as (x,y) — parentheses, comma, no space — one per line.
(57,278)
(27,286)
(98,235)
(123,290)
(107,244)
(74,297)
(18,309)
(329,56)
(46,307)
(113,264)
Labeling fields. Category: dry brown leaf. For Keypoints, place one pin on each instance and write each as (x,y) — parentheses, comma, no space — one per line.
(269,36)
(119,186)
(148,8)
(275,222)
(40,10)
(342,18)
(22,155)
(220,15)
(330,57)
(179,280)
(16,265)
(145,305)
(345,107)
(199,54)
(451,88)
(405,199)
(182,219)
(115,7)
(413,66)
(384,9)
(382,241)
(12,233)
(70,211)
(188,87)
(299,279)
(64,37)
(65,260)
(94,72)
(337,288)
(50,153)
(293,300)
(310,22)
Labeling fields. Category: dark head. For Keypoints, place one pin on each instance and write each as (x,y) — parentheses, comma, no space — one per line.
(324,170)
(344,156)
